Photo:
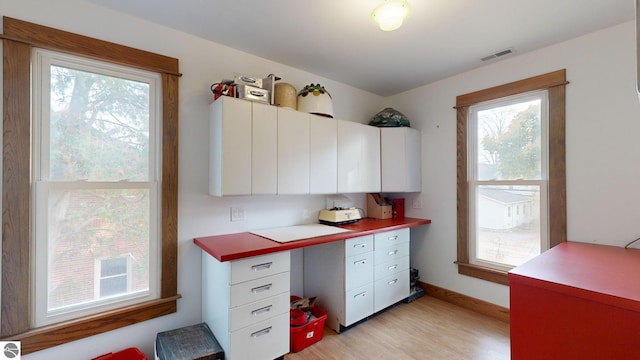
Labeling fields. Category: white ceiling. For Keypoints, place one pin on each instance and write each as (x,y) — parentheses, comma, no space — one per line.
(337,40)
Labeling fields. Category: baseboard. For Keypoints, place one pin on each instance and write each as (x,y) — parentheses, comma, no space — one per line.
(467,302)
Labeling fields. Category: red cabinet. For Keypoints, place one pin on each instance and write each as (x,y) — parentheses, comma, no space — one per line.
(577,301)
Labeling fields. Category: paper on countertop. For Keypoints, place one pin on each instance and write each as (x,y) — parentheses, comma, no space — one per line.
(298,232)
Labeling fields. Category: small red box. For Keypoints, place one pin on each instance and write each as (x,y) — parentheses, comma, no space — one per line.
(310,333)
(398,208)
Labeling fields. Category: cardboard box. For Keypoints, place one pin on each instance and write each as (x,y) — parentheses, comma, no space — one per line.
(377,208)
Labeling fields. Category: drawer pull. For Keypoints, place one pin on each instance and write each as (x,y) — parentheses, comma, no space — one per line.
(393,238)
(393,252)
(261,267)
(261,332)
(363,261)
(392,282)
(361,245)
(262,288)
(362,294)
(392,267)
(261,311)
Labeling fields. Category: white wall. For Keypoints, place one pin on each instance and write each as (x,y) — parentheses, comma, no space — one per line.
(603,150)
(201,63)
(602,166)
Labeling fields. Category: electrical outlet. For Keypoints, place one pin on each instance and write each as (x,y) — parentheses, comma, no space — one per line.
(417,203)
(237,214)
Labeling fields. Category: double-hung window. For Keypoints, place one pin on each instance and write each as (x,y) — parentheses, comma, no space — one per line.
(96,182)
(511,174)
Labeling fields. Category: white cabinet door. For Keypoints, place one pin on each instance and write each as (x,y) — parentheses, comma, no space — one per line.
(323,155)
(400,150)
(358,157)
(264,154)
(293,152)
(230,147)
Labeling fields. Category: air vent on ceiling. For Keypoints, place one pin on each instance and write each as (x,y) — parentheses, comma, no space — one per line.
(498,54)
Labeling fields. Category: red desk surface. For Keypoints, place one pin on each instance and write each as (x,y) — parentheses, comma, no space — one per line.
(242,245)
(606,274)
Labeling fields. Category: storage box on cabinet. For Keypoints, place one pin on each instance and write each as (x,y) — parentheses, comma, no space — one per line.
(246,304)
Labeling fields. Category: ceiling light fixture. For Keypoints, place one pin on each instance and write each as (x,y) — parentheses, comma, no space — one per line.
(390,14)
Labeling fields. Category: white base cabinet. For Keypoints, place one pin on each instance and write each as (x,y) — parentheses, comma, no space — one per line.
(356,278)
(246,304)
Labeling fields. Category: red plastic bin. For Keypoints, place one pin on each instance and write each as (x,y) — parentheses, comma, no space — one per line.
(126,354)
(310,333)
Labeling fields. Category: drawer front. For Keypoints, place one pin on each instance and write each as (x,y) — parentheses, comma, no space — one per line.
(391,289)
(259,289)
(358,304)
(358,270)
(358,245)
(258,311)
(265,340)
(259,266)
(391,238)
(391,267)
(391,253)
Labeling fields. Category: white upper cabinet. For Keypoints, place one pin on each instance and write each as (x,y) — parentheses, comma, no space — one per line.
(230,147)
(264,154)
(293,152)
(400,159)
(358,157)
(323,155)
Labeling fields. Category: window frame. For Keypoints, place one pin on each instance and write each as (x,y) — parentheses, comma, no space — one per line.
(18,39)
(555,83)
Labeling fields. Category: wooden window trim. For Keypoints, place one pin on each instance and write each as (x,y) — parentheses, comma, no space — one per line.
(555,82)
(18,39)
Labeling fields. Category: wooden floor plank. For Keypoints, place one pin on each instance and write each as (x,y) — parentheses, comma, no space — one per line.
(427,328)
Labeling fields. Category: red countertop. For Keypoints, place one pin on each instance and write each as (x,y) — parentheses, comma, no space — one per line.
(242,245)
(606,274)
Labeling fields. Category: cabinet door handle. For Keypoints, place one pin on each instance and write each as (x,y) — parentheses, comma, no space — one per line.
(360,294)
(262,310)
(256,93)
(361,245)
(262,288)
(363,261)
(392,267)
(392,282)
(261,267)
(261,332)
(393,238)
(393,252)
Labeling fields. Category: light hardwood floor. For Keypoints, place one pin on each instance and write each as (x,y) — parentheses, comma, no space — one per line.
(427,328)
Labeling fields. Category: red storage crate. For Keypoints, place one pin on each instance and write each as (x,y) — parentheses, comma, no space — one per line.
(311,332)
(126,354)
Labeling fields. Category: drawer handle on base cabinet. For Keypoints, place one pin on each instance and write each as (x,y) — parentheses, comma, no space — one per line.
(393,252)
(261,267)
(260,311)
(360,294)
(262,288)
(261,332)
(393,238)
(361,245)
(392,282)
(363,261)
(392,267)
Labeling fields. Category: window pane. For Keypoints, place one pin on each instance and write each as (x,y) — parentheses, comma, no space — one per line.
(113,286)
(112,267)
(86,225)
(508,224)
(99,127)
(509,141)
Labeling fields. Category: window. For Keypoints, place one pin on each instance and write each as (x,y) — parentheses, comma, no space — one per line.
(96,179)
(507,167)
(96,185)
(511,174)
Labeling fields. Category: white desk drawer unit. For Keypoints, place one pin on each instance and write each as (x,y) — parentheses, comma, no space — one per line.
(391,274)
(246,304)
